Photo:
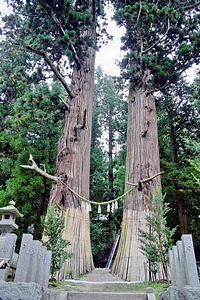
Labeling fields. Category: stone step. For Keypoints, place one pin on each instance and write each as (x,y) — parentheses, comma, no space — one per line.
(33,291)
(99,296)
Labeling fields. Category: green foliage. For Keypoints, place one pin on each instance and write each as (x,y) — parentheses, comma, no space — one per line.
(110,108)
(31,106)
(31,126)
(53,27)
(196,165)
(156,242)
(97,243)
(53,229)
(178,125)
(110,119)
(161,36)
(107,159)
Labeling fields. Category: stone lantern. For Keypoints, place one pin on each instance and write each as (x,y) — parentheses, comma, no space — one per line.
(9,215)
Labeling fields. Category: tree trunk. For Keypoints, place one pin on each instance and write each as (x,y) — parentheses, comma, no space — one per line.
(174,148)
(73,165)
(182,212)
(182,215)
(142,162)
(110,153)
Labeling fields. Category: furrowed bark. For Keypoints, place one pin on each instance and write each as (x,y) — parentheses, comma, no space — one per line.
(73,165)
(142,162)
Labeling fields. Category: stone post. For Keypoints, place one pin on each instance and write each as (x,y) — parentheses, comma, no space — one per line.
(47,266)
(172,268)
(6,253)
(24,258)
(40,264)
(33,264)
(181,260)
(192,278)
(176,266)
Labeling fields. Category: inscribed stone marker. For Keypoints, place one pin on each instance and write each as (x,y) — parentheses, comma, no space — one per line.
(40,264)
(181,258)
(190,260)
(32,273)
(24,259)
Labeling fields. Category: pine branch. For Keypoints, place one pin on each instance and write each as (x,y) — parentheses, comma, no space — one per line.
(60,28)
(53,68)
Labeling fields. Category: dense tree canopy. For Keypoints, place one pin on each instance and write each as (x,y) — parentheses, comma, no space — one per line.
(178,122)
(161,36)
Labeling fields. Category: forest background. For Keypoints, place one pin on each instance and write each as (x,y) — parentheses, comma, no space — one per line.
(31,122)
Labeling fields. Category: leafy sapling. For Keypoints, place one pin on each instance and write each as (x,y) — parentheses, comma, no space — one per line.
(53,229)
(156,242)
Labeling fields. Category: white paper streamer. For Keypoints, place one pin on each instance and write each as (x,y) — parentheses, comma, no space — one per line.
(89,207)
(116,205)
(113,207)
(99,209)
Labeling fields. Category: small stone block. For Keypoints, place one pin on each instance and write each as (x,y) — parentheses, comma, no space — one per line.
(149,290)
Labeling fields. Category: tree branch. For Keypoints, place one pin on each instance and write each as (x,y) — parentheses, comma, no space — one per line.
(160,40)
(53,68)
(60,28)
(40,171)
(192,5)
(64,102)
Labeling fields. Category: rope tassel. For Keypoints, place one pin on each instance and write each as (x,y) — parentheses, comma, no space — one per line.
(108,208)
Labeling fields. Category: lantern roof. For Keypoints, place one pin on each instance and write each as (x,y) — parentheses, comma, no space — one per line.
(11,209)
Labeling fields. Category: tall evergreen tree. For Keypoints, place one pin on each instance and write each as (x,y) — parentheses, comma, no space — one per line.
(107,165)
(23,132)
(178,125)
(162,40)
(55,36)
(111,110)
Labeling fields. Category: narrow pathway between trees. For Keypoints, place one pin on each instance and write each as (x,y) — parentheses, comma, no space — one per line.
(101,275)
